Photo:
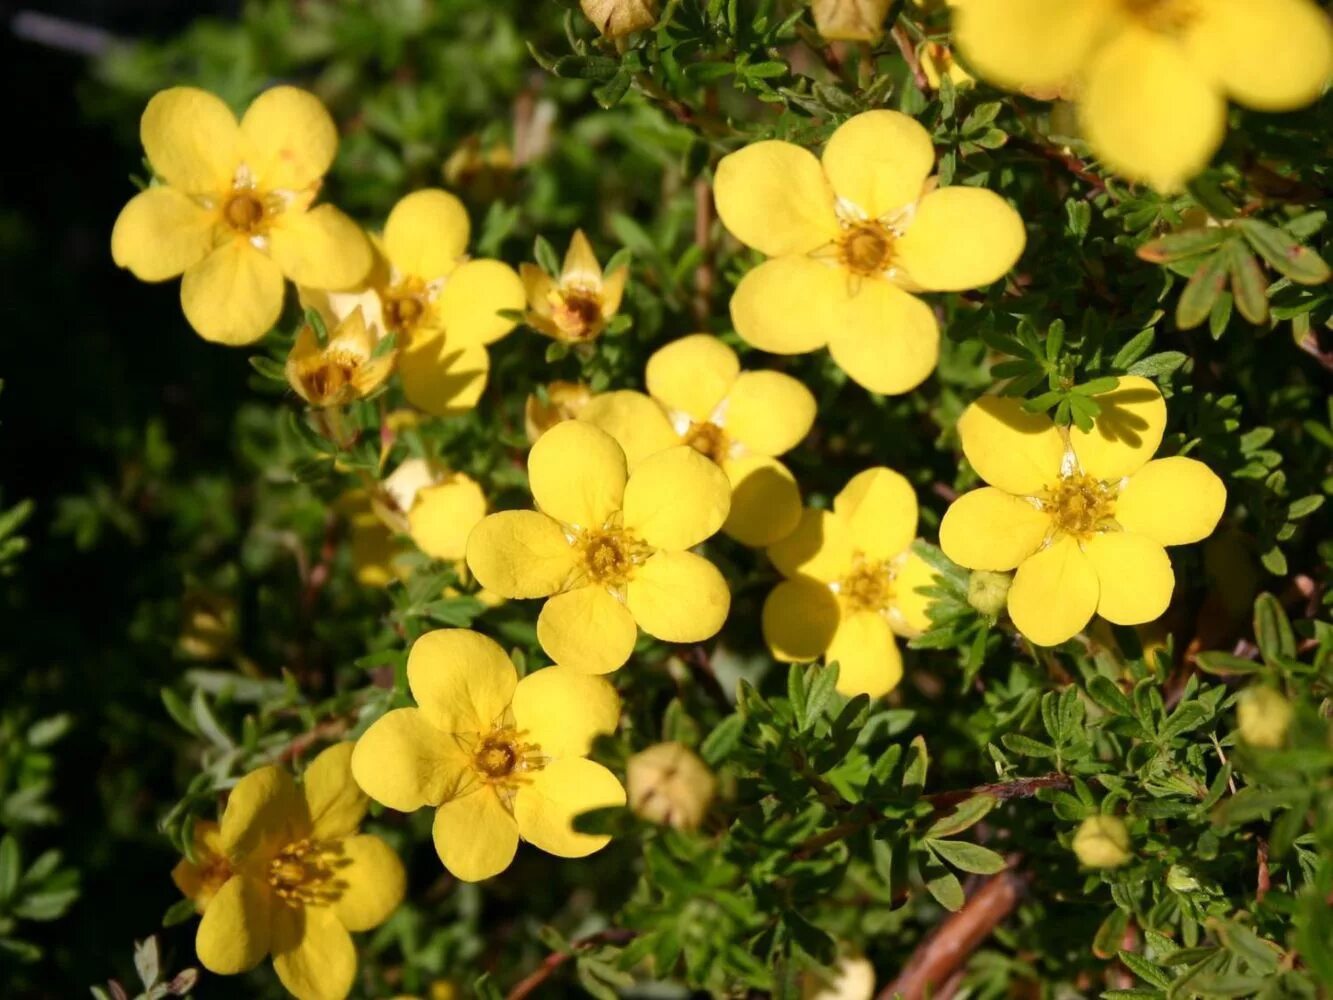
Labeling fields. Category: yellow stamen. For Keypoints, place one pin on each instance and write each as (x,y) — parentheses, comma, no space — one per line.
(866,248)
(1164,16)
(868,587)
(576,312)
(303,873)
(709,440)
(1080,505)
(503,759)
(405,305)
(610,555)
(243,211)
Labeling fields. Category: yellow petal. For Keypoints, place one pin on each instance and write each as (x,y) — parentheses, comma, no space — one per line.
(405,763)
(313,954)
(233,935)
(1016,451)
(470,304)
(799,618)
(441,377)
(545,809)
(564,710)
(960,238)
(820,547)
(321,248)
(264,812)
(444,515)
(372,880)
(462,681)
(879,161)
(678,597)
(692,375)
(1038,44)
(519,553)
(867,654)
(577,473)
(1130,127)
(1235,42)
(880,510)
(676,498)
(887,340)
(475,836)
(191,139)
(769,412)
(537,287)
(160,233)
(1054,593)
(773,196)
(234,295)
(587,629)
(1125,434)
(1134,574)
(789,305)
(637,422)
(765,500)
(613,290)
(290,139)
(991,529)
(1173,501)
(580,265)
(333,799)
(907,613)
(426,233)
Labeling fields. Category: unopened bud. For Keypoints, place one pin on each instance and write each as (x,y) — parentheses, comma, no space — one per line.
(987,591)
(853,979)
(616,18)
(1264,716)
(668,784)
(564,401)
(850,20)
(1102,842)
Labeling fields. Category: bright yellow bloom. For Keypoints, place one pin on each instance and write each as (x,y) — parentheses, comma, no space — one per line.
(575,305)
(609,548)
(1153,76)
(564,401)
(1082,516)
(1264,716)
(301,878)
(850,20)
(850,237)
(852,582)
(498,758)
(1102,842)
(669,784)
(200,879)
(616,18)
(341,371)
(232,212)
(739,420)
(436,507)
(442,307)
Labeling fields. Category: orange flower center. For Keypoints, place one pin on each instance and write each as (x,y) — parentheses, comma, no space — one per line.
(1080,505)
(709,440)
(868,587)
(1164,16)
(330,378)
(610,555)
(405,305)
(577,313)
(303,873)
(244,211)
(866,248)
(503,758)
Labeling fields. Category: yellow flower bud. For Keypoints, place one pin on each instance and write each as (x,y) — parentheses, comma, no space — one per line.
(850,20)
(208,625)
(853,979)
(668,784)
(615,18)
(1102,842)
(564,401)
(987,591)
(1264,716)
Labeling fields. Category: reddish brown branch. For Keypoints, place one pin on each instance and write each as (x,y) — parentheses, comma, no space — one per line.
(1265,881)
(1019,788)
(331,730)
(530,984)
(905,46)
(703,271)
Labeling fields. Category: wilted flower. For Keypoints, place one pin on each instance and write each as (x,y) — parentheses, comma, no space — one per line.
(668,783)
(345,369)
(575,305)
(850,20)
(616,18)
(563,401)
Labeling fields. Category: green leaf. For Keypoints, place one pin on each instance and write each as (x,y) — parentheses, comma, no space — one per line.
(1145,969)
(545,256)
(1027,746)
(1299,263)
(964,815)
(1135,348)
(1179,246)
(1249,287)
(9,867)
(968,857)
(821,692)
(1106,693)
(1156,365)
(1272,630)
(914,776)
(1202,290)
(725,737)
(946,889)
(1226,665)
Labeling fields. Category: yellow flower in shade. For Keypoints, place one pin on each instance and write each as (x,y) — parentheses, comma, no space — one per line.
(199,880)
(617,18)
(669,784)
(341,371)
(563,401)
(1082,516)
(850,20)
(575,305)
(739,420)
(301,878)
(232,212)
(610,549)
(1102,842)
(850,238)
(1264,716)
(1153,76)
(442,308)
(852,582)
(497,758)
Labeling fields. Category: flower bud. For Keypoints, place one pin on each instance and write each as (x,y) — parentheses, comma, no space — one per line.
(1264,716)
(616,18)
(564,401)
(987,591)
(668,784)
(1102,842)
(850,20)
(853,979)
(208,625)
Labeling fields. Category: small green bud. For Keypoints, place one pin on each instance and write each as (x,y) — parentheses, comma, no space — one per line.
(987,591)
(1102,842)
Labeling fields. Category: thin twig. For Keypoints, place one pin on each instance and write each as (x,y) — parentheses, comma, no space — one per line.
(905,46)
(530,984)
(1265,881)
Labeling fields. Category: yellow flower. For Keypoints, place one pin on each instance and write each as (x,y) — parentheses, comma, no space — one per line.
(850,20)
(739,420)
(1153,76)
(575,305)
(301,878)
(612,548)
(1264,716)
(199,880)
(937,62)
(1081,516)
(436,507)
(850,237)
(442,307)
(1102,842)
(616,18)
(852,581)
(564,401)
(208,624)
(669,784)
(498,758)
(341,371)
(232,212)
(853,979)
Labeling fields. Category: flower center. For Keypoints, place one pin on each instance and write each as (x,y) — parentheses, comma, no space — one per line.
(1164,16)
(303,873)
(243,211)
(405,305)
(866,248)
(503,758)
(709,440)
(577,312)
(1080,505)
(332,374)
(868,587)
(610,555)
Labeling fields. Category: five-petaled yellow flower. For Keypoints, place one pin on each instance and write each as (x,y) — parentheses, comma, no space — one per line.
(575,305)
(442,307)
(852,582)
(1152,77)
(609,548)
(301,877)
(232,212)
(739,420)
(344,369)
(1083,516)
(850,238)
(498,758)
